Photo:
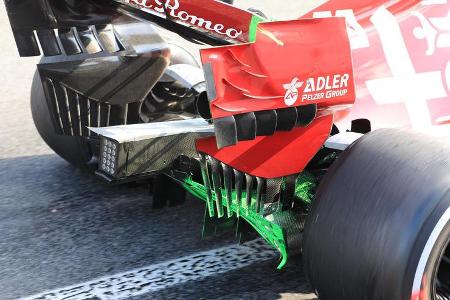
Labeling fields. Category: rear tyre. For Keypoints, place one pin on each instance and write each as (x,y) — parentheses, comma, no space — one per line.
(380,225)
(75,150)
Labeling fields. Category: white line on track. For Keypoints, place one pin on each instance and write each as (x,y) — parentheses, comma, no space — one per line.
(164,275)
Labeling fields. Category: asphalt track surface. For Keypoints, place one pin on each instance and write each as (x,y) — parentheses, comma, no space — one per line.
(67,235)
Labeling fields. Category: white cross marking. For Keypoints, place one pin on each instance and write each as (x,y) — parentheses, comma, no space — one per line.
(414,89)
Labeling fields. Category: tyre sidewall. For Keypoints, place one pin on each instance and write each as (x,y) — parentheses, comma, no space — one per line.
(429,248)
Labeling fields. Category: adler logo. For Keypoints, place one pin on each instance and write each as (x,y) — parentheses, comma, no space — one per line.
(172,7)
(291,95)
(316,88)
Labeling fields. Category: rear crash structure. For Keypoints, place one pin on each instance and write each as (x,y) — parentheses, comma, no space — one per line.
(251,131)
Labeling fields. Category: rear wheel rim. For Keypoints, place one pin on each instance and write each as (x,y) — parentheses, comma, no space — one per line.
(442,276)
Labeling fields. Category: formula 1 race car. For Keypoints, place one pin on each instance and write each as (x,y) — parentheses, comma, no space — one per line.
(273,130)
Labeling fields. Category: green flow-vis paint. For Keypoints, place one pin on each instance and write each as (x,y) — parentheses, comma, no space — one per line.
(269,231)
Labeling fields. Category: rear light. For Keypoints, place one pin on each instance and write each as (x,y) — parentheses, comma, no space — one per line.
(109,156)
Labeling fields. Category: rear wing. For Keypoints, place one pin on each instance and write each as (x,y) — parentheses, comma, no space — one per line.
(43,26)
(215,18)
(37,20)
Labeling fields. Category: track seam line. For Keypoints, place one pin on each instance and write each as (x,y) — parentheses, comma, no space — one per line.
(163,275)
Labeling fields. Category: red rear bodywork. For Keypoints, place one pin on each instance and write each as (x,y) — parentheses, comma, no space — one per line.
(400,50)
(292,64)
(401,54)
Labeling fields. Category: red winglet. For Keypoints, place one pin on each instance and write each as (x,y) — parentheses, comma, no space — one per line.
(292,63)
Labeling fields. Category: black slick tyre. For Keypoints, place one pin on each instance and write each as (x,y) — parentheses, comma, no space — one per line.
(75,150)
(380,225)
